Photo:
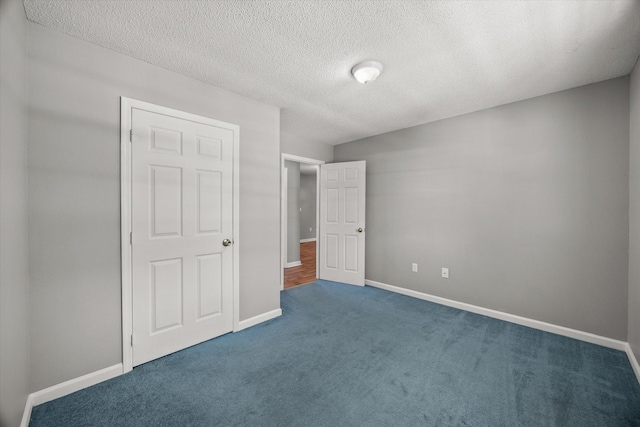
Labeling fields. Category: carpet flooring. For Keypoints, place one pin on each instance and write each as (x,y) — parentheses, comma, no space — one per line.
(350,356)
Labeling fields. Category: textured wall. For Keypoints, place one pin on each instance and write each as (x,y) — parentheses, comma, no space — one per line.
(293,211)
(308,190)
(14,291)
(74,196)
(634,213)
(526,204)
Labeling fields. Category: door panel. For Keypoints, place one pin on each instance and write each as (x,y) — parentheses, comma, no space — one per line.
(332,251)
(351,253)
(351,205)
(342,222)
(182,210)
(165,193)
(209,285)
(209,203)
(166,294)
(165,141)
(209,147)
(332,206)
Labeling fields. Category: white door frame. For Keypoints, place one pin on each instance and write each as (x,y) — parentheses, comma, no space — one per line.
(283,208)
(126,107)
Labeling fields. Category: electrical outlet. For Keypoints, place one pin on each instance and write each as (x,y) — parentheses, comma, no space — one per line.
(445,273)
(414,267)
(310,229)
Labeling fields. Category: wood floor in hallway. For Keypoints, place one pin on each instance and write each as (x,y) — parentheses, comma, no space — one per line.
(305,273)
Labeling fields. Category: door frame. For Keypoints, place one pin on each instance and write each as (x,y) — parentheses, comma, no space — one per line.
(126,107)
(283,208)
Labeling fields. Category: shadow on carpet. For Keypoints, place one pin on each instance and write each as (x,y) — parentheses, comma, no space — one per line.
(348,356)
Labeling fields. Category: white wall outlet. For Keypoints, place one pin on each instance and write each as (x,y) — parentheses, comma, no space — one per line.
(445,273)
(414,267)
(310,229)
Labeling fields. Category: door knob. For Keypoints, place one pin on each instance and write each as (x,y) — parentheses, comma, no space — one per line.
(359,230)
(226,242)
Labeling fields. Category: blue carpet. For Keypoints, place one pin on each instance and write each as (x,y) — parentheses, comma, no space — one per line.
(349,356)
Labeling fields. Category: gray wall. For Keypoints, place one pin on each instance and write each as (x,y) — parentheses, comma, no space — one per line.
(291,144)
(634,214)
(526,204)
(308,191)
(74,196)
(293,211)
(14,290)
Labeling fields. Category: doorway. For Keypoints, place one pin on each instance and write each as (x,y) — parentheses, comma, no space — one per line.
(306,271)
(299,228)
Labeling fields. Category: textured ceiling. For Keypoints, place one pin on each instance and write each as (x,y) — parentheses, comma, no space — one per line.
(441,59)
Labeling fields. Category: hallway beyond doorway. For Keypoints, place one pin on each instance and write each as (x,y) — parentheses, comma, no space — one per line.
(304,273)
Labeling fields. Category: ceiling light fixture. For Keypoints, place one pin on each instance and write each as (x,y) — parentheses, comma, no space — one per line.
(367,71)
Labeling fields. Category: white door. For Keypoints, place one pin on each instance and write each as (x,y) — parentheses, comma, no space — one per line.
(182,211)
(342,222)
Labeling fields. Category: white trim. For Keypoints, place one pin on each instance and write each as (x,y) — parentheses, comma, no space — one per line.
(535,324)
(68,387)
(299,159)
(26,415)
(284,218)
(126,107)
(634,362)
(236,225)
(293,264)
(252,321)
(313,239)
(317,220)
(283,207)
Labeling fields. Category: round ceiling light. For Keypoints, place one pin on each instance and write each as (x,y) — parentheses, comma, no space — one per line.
(367,71)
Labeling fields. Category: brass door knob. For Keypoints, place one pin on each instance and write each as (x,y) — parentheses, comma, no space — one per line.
(226,242)
(359,230)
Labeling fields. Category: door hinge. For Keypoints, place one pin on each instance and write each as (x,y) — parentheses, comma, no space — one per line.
(131,340)
(131,238)
(131,135)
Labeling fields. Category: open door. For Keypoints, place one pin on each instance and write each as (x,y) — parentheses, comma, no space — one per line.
(342,222)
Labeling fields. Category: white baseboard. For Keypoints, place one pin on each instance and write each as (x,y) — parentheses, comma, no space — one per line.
(633,361)
(252,321)
(68,387)
(93,378)
(524,321)
(313,239)
(293,264)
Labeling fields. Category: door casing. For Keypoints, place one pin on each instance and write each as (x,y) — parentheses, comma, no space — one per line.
(126,107)
(283,209)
